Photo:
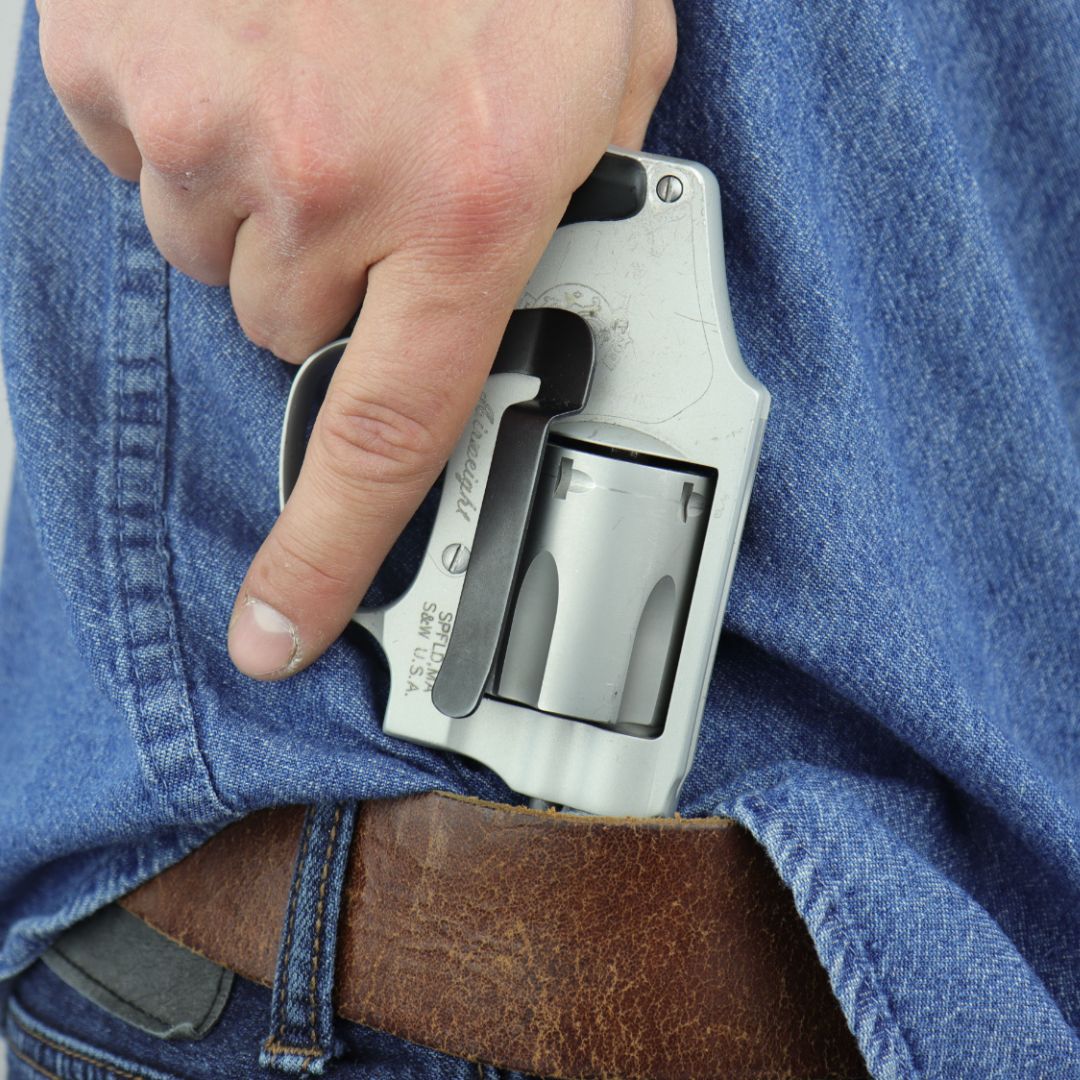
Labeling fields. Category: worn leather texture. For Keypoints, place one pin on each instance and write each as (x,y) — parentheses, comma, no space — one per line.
(561,945)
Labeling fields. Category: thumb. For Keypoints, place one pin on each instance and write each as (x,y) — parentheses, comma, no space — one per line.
(398,401)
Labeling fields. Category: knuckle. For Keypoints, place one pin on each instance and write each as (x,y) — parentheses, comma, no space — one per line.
(287,321)
(490,185)
(172,136)
(309,176)
(69,68)
(480,212)
(374,442)
(489,190)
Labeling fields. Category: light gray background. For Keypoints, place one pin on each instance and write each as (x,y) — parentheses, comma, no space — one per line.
(9,34)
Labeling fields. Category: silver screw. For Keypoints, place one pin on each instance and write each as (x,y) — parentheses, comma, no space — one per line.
(455,558)
(669,189)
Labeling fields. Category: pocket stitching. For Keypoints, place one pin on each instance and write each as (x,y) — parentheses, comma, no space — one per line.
(41,1038)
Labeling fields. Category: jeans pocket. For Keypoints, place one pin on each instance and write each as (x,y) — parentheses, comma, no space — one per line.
(36,1049)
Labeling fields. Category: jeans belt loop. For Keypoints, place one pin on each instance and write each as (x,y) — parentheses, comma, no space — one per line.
(301,1038)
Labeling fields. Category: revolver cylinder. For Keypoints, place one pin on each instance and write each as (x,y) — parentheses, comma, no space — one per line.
(605,581)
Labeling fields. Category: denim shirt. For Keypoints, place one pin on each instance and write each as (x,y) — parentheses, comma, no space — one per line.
(895,709)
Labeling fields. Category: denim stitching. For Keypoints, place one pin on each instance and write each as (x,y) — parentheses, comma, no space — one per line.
(33,1064)
(301,1038)
(159,706)
(855,963)
(172,632)
(278,1048)
(67,1052)
(317,946)
(274,1045)
(123,512)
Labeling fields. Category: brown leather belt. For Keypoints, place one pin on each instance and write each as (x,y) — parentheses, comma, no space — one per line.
(556,944)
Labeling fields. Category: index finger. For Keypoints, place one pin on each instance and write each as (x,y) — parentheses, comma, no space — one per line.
(398,401)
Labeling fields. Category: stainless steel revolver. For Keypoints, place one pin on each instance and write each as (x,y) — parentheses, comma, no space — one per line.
(564,621)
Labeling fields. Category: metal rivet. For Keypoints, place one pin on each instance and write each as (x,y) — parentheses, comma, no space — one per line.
(455,558)
(669,189)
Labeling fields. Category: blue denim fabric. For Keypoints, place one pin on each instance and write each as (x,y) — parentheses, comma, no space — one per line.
(894,711)
(51,1027)
(301,1035)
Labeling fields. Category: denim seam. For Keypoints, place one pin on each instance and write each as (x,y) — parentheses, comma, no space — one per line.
(162,718)
(852,966)
(278,1049)
(40,1069)
(35,1031)
(181,670)
(301,1037)
(274,1044)
(319,911)
(67,1052)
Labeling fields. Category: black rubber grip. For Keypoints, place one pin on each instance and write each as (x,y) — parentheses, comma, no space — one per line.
(615,190)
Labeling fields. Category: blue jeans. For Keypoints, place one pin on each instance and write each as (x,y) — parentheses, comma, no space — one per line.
(52,1028)
(894,709)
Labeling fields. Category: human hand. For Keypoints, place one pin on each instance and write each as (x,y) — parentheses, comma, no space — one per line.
(417,155)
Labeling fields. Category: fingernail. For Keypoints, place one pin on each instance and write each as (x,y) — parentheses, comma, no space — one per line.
(261,640)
